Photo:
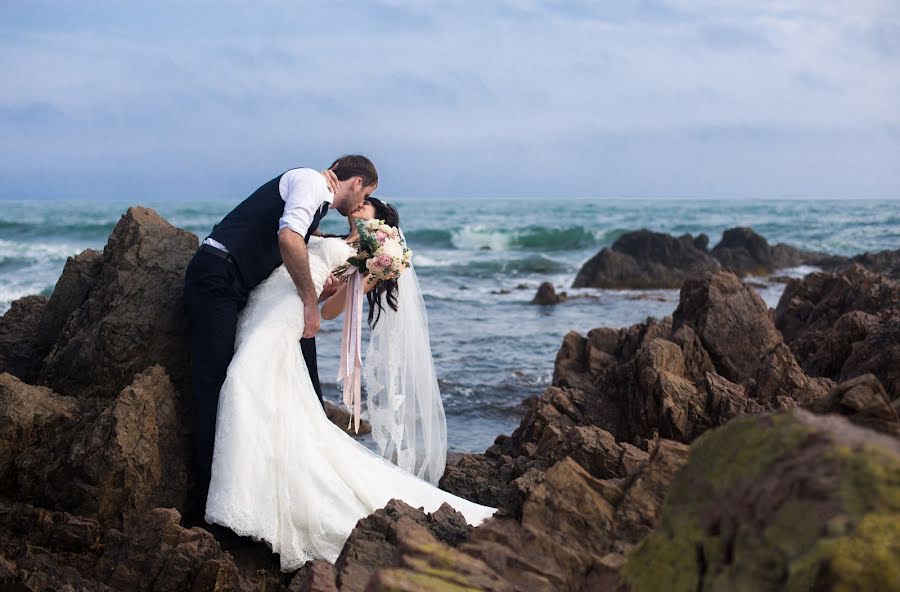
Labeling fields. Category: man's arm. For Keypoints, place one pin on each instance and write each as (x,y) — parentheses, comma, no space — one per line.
(296,259)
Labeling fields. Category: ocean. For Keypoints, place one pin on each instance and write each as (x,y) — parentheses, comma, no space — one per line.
(480,262)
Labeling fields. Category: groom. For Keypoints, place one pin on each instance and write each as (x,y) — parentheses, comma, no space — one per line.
(267,229)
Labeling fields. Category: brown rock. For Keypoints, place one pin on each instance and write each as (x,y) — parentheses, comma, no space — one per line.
(315,576)
(731,321)
(841,325)
(645,260)
(863,401)
(428,565)
(19,350)
(546,294)
(575,529)
(340,417)
(109,463)
(744,252)
(886,263)
(376,540)
(127,314)
(29,415)
(819,299)
(482,478)
(72,288)
(55,550)
(878,354)
(779,377)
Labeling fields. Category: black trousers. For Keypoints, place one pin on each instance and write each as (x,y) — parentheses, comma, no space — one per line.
(214,294)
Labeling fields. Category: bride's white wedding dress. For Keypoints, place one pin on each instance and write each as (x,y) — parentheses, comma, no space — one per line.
(282,471)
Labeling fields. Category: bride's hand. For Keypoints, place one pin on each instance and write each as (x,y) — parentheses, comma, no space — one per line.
(311,320)
(331,286)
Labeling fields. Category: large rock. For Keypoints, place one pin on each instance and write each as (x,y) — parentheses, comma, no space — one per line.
(841,325)
(561,423)
(615,392)
(110,461)
(576,530)
(29,415)
(122,313)
(863,401)
(574,534)
(19,349)
(818,300)
(426,565)
(879,354)
(744,252)
(731,321)
(377,539)
(886,263)
(46,550)
(651,260)
(790,501)
(645,260)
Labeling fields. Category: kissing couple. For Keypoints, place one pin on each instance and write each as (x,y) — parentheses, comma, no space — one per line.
(268,463)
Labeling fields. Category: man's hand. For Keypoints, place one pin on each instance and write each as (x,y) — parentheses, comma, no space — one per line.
(331,286)
(311,320)
(331,179)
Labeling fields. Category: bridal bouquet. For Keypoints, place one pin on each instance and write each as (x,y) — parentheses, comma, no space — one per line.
(381,251)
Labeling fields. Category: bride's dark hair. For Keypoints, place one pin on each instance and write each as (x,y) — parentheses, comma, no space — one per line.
(388,288)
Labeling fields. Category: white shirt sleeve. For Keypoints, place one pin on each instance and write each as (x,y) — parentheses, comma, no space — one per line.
(303,191)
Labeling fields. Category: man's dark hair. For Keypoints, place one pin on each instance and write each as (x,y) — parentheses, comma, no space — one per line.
(354,165)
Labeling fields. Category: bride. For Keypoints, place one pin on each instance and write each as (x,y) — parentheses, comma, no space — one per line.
(282,472)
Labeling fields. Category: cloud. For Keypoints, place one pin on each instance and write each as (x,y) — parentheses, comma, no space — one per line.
(459,98)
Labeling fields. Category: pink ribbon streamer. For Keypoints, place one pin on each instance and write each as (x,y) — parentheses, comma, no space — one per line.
(350,369)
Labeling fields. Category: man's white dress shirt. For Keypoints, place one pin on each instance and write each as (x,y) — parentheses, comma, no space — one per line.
(303,191)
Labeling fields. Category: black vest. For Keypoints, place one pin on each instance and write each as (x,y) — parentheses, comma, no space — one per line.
(250,232)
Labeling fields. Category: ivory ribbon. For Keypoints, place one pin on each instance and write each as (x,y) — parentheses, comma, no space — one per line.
(350,369)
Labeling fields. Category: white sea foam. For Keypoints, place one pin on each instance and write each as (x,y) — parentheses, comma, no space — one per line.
(36,252)
(475,237)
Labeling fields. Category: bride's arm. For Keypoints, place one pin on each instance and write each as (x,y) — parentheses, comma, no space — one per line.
(334,306)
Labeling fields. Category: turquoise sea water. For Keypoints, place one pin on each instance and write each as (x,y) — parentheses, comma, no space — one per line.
(479,263)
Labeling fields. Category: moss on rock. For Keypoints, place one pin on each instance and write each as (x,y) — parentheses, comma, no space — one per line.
(789,501)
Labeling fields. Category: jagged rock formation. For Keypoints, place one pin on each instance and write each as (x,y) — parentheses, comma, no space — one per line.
(844,324)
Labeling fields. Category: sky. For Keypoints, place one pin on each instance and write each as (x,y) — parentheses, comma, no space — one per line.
(629,98)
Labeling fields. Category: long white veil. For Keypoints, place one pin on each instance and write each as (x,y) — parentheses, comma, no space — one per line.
(402,394)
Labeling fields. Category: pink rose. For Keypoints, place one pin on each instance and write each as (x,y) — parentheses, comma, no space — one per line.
(374,265)
(380,236)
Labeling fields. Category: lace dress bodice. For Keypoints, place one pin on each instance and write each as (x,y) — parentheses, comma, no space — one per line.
(276,299)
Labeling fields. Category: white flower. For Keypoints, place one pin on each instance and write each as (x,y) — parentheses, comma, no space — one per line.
(392,248)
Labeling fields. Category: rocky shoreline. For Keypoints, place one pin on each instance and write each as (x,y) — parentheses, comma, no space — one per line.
(725,446)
